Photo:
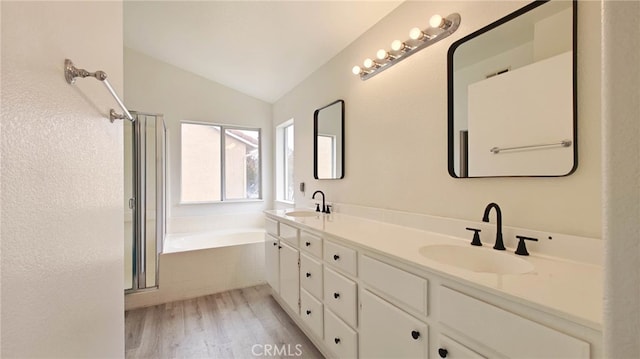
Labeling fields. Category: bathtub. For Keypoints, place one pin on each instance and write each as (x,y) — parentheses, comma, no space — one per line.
(206,240)
(197,264)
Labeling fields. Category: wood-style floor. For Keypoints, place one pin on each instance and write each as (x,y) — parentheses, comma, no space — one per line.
(242,323)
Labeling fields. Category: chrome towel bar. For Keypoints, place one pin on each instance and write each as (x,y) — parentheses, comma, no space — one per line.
(71,73)
(563,143)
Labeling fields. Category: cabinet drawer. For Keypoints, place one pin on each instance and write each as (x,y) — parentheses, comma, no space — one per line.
(450,349)
(340,257)
(311,313)
(341,339)
(311,275)
(396,283)
(524,338)
(340,295)
(271,226)
(388,332)
(289,234)
(311,244)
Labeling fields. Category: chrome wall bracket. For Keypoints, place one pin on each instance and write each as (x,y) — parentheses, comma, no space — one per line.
(71,72)
(113,115)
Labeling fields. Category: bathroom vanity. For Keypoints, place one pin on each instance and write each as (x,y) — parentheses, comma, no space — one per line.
(359,288)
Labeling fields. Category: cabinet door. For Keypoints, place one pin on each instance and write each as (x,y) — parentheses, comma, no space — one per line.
(272,262)
(289,276)
(388,332)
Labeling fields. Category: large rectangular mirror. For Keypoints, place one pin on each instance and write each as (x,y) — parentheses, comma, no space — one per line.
(512,95)
(328,141)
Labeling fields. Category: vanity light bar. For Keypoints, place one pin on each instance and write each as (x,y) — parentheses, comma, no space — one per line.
(418,39)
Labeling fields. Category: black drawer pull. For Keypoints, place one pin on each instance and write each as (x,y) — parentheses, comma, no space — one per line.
(443,352)
(415,334)
(337,340)
(336,257)
(336,295)
(308,274)
(275,243)
(308,312)
(307,244)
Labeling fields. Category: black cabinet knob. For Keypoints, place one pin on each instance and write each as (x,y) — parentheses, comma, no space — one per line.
(336,257)
(308,274)
(307,244)
(275,243)
(443,352)
(415,334)
(279,247)
(336,295)
(308,312)
(337,340)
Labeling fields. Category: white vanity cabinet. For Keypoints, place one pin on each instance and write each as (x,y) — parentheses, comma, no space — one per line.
(355,302)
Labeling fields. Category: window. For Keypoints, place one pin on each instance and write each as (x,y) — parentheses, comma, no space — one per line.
(219,163)
(284,162)
(288,163)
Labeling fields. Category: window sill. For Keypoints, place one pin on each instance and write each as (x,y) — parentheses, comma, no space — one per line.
(289,203)
(222,202)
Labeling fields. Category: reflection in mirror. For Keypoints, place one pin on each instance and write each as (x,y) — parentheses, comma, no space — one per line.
(328,141)
(512,95)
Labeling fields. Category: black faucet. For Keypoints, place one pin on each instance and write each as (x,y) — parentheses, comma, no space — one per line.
(499,244)
(324,208)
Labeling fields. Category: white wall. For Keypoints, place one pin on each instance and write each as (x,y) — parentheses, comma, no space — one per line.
(61,204)
(396,130)
(157,87)
(621,153)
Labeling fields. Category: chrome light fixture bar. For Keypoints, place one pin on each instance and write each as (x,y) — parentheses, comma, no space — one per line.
(418,39)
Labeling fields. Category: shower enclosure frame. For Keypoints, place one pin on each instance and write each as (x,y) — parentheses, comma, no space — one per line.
(138,203)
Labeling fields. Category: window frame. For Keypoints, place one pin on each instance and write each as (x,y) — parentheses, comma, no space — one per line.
(281,167)
(223,128)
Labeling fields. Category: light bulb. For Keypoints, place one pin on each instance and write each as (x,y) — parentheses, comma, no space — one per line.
(436,21)
(368,63)
(382,54)
(415,34)
(397,45)
(356,70)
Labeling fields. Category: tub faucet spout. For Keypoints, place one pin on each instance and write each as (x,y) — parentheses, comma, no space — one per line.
(499,243)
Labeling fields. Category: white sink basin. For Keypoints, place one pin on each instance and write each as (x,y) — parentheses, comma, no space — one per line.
(476,259)
(302,214)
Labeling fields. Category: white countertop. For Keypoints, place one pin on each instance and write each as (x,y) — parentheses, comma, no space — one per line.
(564,288)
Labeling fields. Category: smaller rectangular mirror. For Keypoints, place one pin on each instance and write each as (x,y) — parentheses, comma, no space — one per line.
(328,141)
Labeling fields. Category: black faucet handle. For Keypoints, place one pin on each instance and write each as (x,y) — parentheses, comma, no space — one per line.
(317,207)
(327,209)
(522,248)
(476,236)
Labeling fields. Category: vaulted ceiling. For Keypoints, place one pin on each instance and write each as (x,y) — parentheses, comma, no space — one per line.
(261,48)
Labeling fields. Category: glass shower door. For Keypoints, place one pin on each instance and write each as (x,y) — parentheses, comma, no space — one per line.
(129,202)
(146,201)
